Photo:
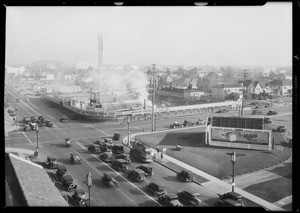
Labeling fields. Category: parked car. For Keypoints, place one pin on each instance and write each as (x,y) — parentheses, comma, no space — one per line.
(232,199)
(68,142)
(33,126)
(188,123)
(157,189)
(118,149)
(256,112)
(49,123)
(51,162)
(60,171)
(146,168)
(26,120)
(279,129)
(271,112)
(63,119)
(222,111)
(119,164)
(106,156)
(185,176)
(100,142)
(80,198)
(94,149)
(201,122)
(169,200)
(267,120)
(33,119)
(189,198)
(67,182)
(107,140)
(107,147)
(176,125)
(124,156)
(75,158)
(116,136)
(26,128)
(136,175)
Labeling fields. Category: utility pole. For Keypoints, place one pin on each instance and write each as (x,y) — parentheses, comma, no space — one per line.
(153,96)
(128,130)
(242,108)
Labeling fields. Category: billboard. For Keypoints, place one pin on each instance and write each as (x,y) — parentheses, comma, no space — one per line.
(239,136)
(238,122)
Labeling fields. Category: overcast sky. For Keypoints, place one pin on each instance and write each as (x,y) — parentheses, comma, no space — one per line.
(243,36)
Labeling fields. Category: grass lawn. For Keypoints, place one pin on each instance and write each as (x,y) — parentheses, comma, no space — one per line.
(268,190)
(213,160)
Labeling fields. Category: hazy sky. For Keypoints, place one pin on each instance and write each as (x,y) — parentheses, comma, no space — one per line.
(252,36)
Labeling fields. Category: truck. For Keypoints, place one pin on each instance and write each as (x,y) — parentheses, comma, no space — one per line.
(142,152)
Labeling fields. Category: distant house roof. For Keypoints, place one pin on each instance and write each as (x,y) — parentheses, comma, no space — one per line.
(35,183)
(255,83)
(245,83)
(276,82)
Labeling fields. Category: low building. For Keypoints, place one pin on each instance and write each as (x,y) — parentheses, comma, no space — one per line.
(183,83)
(220,91)
(65,89)
(257,88)
(194,94)
(248,86)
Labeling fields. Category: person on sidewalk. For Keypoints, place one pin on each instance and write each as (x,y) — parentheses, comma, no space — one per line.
(161,155)
(157,149)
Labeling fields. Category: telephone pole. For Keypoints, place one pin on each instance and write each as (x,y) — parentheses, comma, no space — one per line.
(242,108)
(153,96)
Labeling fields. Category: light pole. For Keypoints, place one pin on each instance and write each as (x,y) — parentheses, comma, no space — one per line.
(128,130)
(16,119)
(89,184)
(233,160)
(37,141)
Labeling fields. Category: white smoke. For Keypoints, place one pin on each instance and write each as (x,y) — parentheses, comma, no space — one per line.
(122,81)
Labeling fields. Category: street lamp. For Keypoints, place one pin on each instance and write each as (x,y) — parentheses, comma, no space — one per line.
(16,118)
(128,130)
(233,160)
(89,184)
(37,141)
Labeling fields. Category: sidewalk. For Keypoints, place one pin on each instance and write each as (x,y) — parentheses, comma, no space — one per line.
(214,184)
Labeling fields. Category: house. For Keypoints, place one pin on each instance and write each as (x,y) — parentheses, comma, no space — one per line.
(257,87)
(288,77)
(248,86)
(48,77)
(280,87)
(183,83)
(221,90)
(192,93)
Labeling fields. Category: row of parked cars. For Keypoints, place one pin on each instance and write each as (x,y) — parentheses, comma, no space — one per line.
(187,123)
(31,123)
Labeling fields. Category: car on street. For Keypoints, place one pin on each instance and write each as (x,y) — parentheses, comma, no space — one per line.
(188,123)
(106,156)
(94,149)
(118,149)
(80,198)
(271,112)
(63,119)
(68,142)
(124,156)
(75,158)
(119,164)
(155,188)
(146,168)
(222,111)
(136,175)
(176,125)
(231,199)
(185,176)
(169,200)
(189,198)
(116,136)
(51,162)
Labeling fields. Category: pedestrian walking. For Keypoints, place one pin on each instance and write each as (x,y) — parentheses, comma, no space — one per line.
(161,155)
(157,149)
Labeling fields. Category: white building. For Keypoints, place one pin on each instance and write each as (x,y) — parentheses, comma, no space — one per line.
(15,70)
(65,89)
(220,91)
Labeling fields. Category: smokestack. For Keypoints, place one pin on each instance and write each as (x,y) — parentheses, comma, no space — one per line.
(100,47)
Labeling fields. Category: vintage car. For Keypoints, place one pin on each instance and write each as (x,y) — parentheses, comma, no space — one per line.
(107,140)
(75,158)
(222,111)
(60,171)
(119,164)
(169,200)
(118,149)
(68,142)
(106,156)
(189,198)
(185,176)
(201,122)
(33,119)
(136,175)
(107,147)
(109,180)
(124,156)
(51,162)
(279,129)
(100,142)
(33,126)
(67,182)
(63,119)
(175,125)
(116,136)
(94,149)
(80,197)
(146,168)
(267,120)
(26,120)
(231,199)
(271,112)
(188,123)
(157,189)
(49,123)
(26,128)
